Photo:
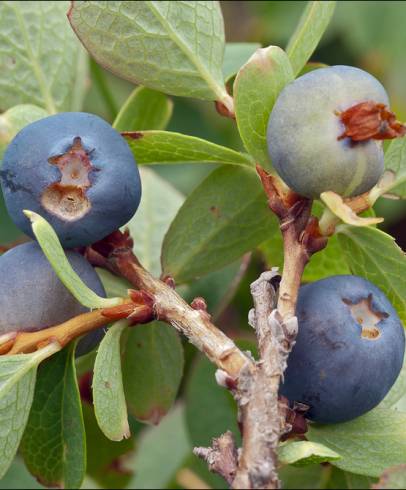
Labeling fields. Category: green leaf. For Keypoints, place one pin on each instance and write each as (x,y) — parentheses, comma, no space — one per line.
(328,262)
(392,478)
(367,445)
(311,27)
(144,109)
(114,285)
(164,147)
(15,119)
(169,443)
(224,217)
(235,55)
(219,287)
(395,162)
(321,476)
(152,367)
(39,56)
(106,460)
(373,254)
(159,204)
(54,446)
(331,260)
(210,408)
(303,453)
(173,47)
(310,66)
(108,392)
(17,384)
(309,477)
(50,245)
(358,481)
(396,398)
(256,88)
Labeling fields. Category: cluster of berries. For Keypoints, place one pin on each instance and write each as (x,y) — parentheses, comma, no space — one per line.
(78,173)
(325,134)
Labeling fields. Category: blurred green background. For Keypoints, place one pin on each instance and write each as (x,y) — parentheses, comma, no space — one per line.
(369,35)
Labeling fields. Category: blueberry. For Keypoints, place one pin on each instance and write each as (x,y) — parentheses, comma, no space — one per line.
(349,349)
(304,132)
(33,298)
(77,172)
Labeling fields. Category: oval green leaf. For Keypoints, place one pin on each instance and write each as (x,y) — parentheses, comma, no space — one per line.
(396,398)
(303,453)
(174,47)
(152,367)
(164,147)
(256,88)
(367,445)
(224,217)
(40,60)
(108,392)
(17,383)
(54,445)
(395,162)
(314,21)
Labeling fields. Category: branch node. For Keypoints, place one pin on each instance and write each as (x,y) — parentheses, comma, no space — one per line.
(169,281)
(221,457)
(225,380)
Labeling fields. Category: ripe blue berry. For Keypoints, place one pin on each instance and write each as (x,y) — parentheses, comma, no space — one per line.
(349,349)
(307,137)
(77,172)
(33,298)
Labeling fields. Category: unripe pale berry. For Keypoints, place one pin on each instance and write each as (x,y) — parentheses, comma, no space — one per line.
(325,132)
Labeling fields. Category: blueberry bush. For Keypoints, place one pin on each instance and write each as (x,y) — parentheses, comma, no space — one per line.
(201,278)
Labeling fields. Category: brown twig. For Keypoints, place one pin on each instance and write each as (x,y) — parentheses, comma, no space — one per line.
(262,416)
(115,253)
(261,420)
(301,237)
(26,342)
